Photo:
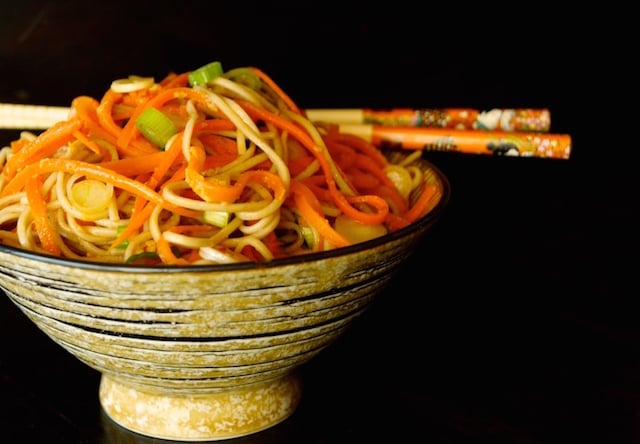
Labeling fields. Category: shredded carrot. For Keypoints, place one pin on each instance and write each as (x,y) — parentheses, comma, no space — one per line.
(94,171)
(175,80)
(48,142)
(40,216)
(214,125)
(89,143)
(169,158)
(424,203)
(104,112)
(216,191)
(359,144)
(17,145)
(85,109)
(133,166)
(137,220)
(299,134)
(166,255)
(276,88)
(310,209)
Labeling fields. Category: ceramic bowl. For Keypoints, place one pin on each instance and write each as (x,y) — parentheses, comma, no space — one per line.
(206,352)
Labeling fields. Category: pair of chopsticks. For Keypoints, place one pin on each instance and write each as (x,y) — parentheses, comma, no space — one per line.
(516,132)
(509,132)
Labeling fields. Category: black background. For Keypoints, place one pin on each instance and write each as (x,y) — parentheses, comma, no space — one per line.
(513,323)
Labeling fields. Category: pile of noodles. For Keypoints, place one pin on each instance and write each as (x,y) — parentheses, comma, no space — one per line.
(207,166)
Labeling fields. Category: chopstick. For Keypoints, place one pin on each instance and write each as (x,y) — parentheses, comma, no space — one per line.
(30,117)
(497,119)
(457,129)
(506,143)
(19,116)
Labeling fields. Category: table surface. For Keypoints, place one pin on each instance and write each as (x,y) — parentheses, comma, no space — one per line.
(512,323)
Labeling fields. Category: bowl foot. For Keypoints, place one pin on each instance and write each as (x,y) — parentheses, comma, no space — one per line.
(209,417)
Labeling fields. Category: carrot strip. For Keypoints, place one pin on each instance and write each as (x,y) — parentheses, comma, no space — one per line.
(371,200)
(310,209)
(391,195)
(163,248)
(211,191)
(85,109)
(362,181)
(298,165)
(92,145)
(137,220)
(367,164)
(133,166)
(175,80)
(343,155)
(169,158)
(395,222)
(47,143)
(299,134)
(273,244)
(219,144)
(40,216)
(361,145)
(214,125)
(276,88)
(93,171)
(104,111)
(423,204)
(105,118)
(17,145)
(85,106)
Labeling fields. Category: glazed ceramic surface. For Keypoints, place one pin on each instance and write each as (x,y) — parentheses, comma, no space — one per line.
(207,352)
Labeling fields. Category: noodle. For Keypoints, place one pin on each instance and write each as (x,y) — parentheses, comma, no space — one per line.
(241,175)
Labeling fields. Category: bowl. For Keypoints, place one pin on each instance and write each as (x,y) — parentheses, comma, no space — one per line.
(202,353)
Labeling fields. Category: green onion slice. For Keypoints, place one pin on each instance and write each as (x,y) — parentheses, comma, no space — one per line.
(217,218)
(245,77)
(156,126)
(145,255)
(124,244)
(205,74)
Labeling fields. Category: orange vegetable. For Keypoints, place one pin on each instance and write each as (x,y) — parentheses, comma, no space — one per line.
(48,142)
(310,209)
(40,216)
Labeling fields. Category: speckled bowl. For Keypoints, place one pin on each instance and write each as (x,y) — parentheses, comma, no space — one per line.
(207,352)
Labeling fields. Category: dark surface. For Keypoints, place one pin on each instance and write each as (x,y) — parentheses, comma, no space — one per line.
(515,320)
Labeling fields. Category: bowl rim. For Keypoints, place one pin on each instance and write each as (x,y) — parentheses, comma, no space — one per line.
(432,216)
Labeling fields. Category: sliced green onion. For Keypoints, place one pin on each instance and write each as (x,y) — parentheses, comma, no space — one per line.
(125,243)
(151,256)
(245,77)
(145,255)
(309,236)
(156,126)
(216,218)
(205,74)
(91,196)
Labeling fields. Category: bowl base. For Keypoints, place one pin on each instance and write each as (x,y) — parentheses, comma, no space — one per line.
(213,416)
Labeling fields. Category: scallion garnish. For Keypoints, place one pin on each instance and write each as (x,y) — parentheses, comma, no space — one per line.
(217,218)
(156,126)
(205,74)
